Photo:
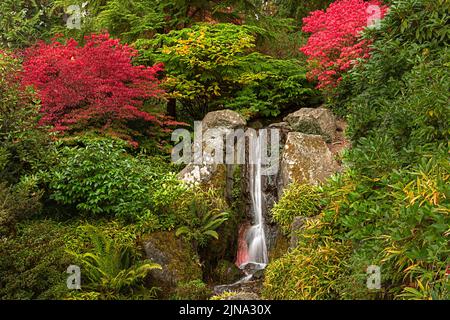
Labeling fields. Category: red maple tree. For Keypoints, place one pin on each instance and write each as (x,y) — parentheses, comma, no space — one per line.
(335,43)
(92,86)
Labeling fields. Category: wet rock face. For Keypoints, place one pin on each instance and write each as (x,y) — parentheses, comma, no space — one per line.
(318,121)
(178,260)
(227,272)
(306,159)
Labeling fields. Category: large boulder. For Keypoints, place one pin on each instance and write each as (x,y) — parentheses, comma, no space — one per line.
(223,119)
(203,170)
(319,121)
(179,261)
(306,159)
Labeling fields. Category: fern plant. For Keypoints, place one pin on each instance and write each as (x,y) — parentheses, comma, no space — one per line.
(207,228)
(205,214)
(111,267)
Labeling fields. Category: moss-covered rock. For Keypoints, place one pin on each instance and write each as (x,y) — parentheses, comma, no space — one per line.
(306,159)
(179,261)
(279,248)
(226,272)
(318,121)
(229,185)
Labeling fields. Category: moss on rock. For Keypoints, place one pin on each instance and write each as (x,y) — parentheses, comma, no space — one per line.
(179,261)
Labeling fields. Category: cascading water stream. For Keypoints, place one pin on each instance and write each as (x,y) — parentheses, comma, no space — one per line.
(255,237)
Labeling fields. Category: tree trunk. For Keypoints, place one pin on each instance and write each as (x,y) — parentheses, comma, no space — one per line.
(172,108)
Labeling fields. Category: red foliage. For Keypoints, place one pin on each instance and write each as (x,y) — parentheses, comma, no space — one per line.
(335,43)
(91,86)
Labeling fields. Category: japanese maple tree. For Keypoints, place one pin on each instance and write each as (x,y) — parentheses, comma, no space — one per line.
(335,44)
(94,86)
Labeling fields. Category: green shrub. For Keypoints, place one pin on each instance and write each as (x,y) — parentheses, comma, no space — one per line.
(23,22)
(392,204)
(24,148)
(33,263)
(298,200)
(398,222)
(99,177)
(17,203)
(298,9)
(306,273)
(131,20)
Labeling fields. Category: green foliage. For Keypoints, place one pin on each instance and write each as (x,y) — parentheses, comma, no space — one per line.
(17,203)
(192,290)
(226,272)
(394,204)
(399,222)
(298,9)
(111,267)
(224,296)
(201,213)
(270,86)
(24,21)
(24,148)
(214,66)
(131,20)
(33,263)
(89,10)
(99,177)
(298,200)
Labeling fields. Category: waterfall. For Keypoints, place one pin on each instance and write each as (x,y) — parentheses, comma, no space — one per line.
(255,236)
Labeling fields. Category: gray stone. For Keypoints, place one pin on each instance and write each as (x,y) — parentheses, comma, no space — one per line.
(284,128)
(223,119)
(197,173)
(203,170)
(318,121)
(306,159)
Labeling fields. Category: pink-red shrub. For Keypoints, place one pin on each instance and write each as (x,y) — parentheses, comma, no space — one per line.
(335,43)
(94,86)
